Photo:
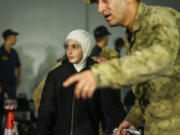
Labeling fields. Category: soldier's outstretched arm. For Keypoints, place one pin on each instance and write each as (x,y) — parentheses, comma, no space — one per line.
(142,65)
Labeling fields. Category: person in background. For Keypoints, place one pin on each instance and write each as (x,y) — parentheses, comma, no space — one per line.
(10,68)
(120,46)
(100,52)
(101,35)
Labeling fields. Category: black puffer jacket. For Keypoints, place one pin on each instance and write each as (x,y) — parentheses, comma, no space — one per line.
(60,113)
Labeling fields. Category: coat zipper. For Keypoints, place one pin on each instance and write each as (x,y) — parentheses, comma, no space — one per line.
(72,116)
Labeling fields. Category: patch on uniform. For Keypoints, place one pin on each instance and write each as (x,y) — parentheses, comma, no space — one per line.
(4,58)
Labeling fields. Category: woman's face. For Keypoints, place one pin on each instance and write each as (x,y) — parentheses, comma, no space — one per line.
(74,51)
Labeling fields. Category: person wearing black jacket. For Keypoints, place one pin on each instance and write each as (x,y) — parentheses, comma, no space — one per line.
(60,113)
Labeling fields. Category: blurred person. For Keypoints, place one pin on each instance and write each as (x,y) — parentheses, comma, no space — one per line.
(120,47)
(60,112)
(10,68)
(151,65)
(101,34)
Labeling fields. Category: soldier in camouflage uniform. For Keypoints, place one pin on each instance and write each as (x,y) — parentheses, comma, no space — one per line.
(152,65)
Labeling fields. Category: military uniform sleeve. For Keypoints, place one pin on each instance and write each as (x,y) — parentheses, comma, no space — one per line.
(135,116)
(147,63)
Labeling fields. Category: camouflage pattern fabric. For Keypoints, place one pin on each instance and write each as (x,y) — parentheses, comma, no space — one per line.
(152,66)
(109,53)
(38,91)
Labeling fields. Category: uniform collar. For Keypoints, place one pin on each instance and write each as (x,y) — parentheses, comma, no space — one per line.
(139,16)
(4,49)
(97,47)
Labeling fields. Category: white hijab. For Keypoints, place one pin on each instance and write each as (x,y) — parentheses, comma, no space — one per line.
(87,42)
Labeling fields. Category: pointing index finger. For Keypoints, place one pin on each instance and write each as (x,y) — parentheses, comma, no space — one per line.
(72,79)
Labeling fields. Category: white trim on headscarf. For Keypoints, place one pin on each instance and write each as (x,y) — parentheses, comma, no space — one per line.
(87,42)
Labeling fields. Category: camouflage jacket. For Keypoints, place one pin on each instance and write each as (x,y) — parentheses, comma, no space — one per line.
(152,66)
(109,53)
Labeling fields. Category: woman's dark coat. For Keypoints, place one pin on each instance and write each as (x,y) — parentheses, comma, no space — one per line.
(60,113)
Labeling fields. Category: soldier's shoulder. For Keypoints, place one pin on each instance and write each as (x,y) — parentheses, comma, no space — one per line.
(161,15)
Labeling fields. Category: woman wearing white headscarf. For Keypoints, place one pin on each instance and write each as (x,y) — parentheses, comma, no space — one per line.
(85,42)
(60,113)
